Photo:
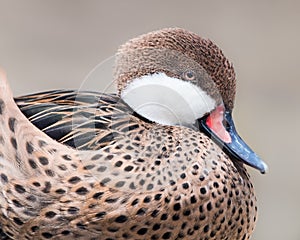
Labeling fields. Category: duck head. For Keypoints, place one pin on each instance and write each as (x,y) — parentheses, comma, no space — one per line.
(175,77)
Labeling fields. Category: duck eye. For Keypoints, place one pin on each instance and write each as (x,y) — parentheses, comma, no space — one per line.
(189,75)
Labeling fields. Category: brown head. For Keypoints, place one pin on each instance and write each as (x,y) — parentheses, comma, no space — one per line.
(180,54)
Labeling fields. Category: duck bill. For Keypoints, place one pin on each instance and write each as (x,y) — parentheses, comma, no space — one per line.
(228,139)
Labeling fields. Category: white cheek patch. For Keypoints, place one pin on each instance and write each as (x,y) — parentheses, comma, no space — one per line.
(167,100)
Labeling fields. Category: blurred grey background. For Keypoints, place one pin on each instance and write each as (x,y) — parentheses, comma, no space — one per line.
(55,44)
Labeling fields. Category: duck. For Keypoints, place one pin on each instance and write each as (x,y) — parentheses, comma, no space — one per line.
(159,159)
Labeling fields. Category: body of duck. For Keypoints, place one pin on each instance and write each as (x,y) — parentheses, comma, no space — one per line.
(88,165)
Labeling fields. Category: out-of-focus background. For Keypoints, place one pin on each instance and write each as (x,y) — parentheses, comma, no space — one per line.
(55,44)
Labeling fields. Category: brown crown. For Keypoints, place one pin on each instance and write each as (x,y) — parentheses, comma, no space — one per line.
(175,51)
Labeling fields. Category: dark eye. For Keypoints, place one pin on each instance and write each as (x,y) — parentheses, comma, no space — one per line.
(189,75)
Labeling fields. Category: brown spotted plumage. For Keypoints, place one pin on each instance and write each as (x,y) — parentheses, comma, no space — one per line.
(83,165)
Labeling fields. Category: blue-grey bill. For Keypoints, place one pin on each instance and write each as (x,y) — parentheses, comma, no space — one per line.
(237,148)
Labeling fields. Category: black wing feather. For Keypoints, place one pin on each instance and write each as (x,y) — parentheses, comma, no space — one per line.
(83,120)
